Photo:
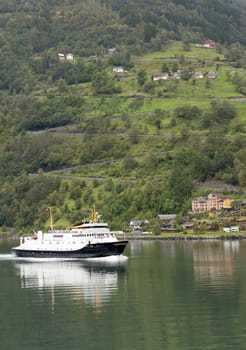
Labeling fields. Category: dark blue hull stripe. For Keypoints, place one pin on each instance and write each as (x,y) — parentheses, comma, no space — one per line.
(89,251)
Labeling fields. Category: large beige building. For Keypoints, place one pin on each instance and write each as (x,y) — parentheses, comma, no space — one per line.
(210,202)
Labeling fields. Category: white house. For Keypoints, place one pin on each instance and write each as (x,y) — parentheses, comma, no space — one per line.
(211,75)
(135,224)
(61,56)
(111,51)
(197,75)
(160,76)
(69,57)
(118,70)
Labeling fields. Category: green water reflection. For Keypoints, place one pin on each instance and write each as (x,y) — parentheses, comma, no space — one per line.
(166,295)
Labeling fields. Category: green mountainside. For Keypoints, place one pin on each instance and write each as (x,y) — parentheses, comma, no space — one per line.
(120,105)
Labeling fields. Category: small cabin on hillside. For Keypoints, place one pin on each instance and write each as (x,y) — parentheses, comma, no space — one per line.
(69,57)
(211,75)
(209,43)
(160,76)
(118,70)
(197,75)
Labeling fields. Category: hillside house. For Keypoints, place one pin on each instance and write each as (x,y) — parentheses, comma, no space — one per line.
(211,75)
(166,76)
(197,75)
(111,51)
(209,43)
(69,57)
(118,70)
(160,76)
(61,56)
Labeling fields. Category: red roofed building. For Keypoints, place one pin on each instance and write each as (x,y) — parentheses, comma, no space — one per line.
(209,43)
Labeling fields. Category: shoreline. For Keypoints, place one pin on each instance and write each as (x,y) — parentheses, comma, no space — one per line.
(186,237)
(159,237)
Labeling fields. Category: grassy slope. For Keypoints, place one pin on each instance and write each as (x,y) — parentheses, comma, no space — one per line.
(135,109)
(184,94)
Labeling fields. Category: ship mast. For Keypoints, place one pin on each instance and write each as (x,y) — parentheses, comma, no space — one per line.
(51,219)
(94,215)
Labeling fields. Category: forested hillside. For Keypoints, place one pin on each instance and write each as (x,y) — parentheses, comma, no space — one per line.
(83,120)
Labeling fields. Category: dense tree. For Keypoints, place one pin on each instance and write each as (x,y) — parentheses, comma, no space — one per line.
(102,83)
(187,112)
(121,59)
(141,77)
(186,75)
(222,111)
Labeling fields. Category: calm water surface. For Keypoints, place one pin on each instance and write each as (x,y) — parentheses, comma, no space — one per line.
(161,295)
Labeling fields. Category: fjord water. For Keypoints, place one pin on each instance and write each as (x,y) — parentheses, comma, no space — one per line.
(188,295)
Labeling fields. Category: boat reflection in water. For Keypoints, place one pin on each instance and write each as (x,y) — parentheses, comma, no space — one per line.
(92,281)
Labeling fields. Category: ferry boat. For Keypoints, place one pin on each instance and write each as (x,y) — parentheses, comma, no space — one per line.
(91,239)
